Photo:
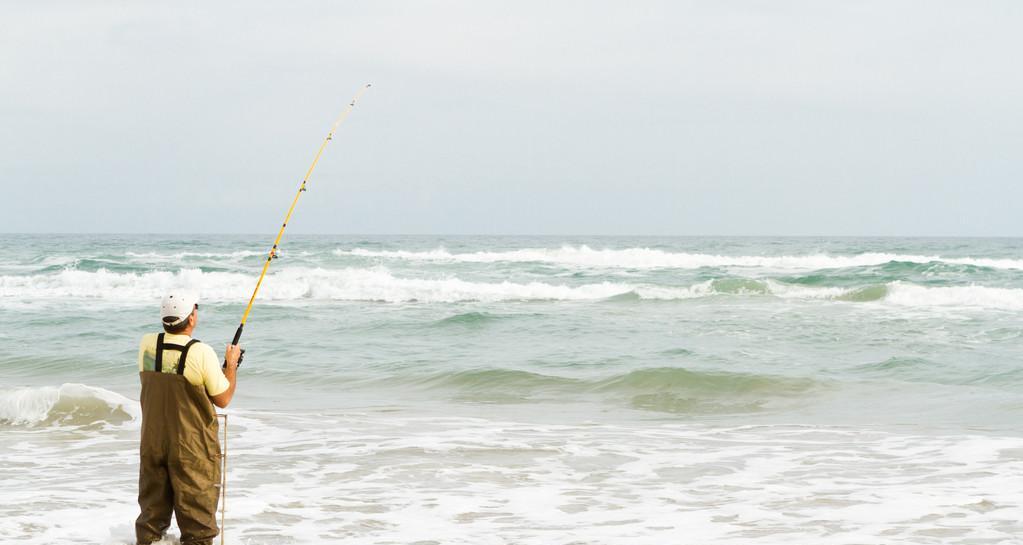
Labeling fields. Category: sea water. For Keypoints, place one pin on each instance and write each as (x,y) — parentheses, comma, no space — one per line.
(535,390)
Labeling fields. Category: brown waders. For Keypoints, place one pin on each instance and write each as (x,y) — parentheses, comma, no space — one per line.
(179,455)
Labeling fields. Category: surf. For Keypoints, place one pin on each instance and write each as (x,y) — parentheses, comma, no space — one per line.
(379,284)
(69,404)
(651,258)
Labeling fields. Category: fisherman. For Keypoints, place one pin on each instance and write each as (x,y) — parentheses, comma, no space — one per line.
(179,455)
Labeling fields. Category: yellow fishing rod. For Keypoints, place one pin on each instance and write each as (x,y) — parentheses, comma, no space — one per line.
(273,249)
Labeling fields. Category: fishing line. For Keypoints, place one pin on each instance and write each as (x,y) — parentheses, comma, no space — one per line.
(301,189)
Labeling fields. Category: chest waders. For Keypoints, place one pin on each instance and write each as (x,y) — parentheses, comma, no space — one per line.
(179,455)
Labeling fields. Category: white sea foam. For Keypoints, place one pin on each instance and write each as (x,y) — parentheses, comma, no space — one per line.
(396,478)
(107,285)
(665,293)
(301,283)
(72,403)
(27,405)
(178,256)
(379,284)
(647,258)
(795,291)
(911,295)
(296,283)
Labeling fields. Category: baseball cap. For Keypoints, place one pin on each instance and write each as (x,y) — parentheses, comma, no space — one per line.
(177,306)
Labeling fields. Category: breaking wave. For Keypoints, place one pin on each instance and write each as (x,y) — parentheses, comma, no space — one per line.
(379,284)
(69,404)
(375,284)
(648,258)
(178,256)
(911,295)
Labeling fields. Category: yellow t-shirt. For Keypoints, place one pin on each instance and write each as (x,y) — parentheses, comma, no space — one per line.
(202,367)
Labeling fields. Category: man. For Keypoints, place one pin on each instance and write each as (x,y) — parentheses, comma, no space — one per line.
(180,449)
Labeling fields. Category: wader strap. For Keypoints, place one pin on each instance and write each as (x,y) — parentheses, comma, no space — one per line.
(159,353)
(184,354)
(161,346)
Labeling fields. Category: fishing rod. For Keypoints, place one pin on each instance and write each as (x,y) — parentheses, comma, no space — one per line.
(273,249)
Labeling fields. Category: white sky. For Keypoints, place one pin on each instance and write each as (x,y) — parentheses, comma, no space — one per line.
(689,118)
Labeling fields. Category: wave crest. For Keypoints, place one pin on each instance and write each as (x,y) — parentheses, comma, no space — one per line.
(912,295)
(379,284)
(649,258)
(69,404)
(298,283)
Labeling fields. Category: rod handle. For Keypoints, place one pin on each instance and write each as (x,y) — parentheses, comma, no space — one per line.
(237,337)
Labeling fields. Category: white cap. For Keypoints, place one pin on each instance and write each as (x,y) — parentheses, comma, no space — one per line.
(177,306)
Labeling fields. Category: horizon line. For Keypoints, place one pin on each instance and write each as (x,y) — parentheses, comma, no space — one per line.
(548,235)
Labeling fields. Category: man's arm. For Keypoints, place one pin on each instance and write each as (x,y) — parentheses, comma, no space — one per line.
(231,372)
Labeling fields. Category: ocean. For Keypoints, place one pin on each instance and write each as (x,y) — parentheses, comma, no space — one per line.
(535,390)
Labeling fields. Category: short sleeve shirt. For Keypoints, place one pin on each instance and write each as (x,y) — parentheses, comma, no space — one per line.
(202,367)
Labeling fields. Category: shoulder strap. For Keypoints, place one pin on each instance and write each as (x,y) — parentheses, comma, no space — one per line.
(184,355)
(159,353)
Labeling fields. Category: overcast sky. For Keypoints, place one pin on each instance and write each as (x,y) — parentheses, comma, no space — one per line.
(668,118)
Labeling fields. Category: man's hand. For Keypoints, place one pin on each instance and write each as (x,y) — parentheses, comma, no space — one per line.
(231,355)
